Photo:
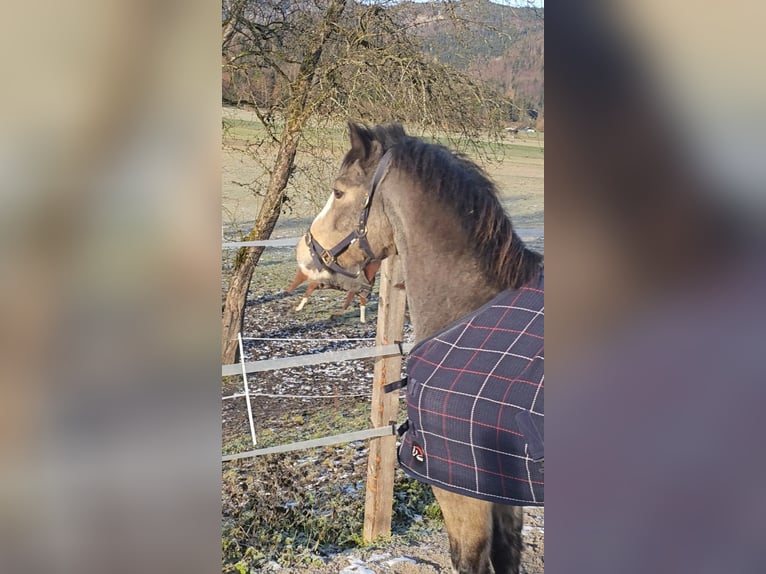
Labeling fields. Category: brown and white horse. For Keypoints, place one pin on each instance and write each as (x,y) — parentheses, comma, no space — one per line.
(441,214)
(361,286)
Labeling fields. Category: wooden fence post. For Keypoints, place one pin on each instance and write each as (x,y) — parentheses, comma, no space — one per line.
(381,463)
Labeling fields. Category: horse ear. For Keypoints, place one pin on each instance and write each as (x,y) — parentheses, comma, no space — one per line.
(376,150)
(360,140)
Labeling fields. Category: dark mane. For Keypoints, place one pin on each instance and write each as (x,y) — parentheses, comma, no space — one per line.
(462,184)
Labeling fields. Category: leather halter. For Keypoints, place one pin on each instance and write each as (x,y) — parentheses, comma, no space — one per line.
(328,258)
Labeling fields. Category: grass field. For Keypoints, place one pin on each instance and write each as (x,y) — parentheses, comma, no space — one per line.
(516,165)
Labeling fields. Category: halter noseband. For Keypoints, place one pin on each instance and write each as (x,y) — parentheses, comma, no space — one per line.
(328,258)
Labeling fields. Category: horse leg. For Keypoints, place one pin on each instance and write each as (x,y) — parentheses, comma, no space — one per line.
(300,277)
(362,309)
(305,299)
(469,527)
(506,538)
(349,298)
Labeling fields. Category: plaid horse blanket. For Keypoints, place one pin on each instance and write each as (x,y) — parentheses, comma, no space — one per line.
(475,402)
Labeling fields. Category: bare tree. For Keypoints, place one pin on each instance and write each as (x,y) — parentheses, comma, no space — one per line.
(294,61)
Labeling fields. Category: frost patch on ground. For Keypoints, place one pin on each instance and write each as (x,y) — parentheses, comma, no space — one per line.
(357,567)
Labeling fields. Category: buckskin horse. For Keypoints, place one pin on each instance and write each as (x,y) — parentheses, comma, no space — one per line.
(438,211)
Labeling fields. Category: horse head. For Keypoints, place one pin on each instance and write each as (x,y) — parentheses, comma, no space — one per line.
(351,235)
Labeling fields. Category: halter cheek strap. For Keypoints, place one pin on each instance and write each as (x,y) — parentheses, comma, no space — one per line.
(328,258)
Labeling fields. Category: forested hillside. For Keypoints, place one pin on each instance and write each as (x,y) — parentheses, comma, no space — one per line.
(499,45)
(496,43)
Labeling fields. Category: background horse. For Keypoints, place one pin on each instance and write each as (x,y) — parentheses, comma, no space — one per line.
(440,213)
(358,286)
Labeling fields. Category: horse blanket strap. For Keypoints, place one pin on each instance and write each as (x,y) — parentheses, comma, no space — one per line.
(475,402)
(327,258)
(395,385)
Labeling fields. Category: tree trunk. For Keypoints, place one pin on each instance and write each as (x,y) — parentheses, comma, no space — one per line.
(239,282)
(298,114)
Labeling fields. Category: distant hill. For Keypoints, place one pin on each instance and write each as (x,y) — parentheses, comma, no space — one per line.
(496,43)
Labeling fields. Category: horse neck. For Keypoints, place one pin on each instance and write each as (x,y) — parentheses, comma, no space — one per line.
(443,278)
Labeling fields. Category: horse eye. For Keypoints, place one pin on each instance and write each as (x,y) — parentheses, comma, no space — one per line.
(337,193)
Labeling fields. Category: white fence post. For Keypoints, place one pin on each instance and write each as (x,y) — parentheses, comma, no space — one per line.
(247,389)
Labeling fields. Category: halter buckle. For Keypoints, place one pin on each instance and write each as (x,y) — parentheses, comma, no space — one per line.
(327,258)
